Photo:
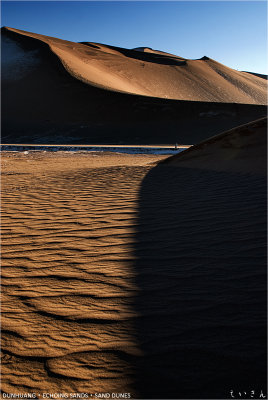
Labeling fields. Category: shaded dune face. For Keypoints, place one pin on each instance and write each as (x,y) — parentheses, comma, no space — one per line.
(16,62)
(201,269)
(201,273)
(242,149)
(55,91)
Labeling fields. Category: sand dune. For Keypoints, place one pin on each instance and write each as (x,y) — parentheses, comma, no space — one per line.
(255,73)
(242,149)
(55,91)
(154,73)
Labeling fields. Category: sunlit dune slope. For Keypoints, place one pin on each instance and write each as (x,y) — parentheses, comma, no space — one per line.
(55,91)
(153,73)
(242,149)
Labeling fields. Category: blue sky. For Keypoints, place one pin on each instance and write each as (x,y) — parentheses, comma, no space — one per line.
(232,32)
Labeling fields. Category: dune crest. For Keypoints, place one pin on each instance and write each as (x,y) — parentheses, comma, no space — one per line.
(242,149)
(154,73)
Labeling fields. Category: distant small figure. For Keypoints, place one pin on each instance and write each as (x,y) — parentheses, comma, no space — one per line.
(176,146)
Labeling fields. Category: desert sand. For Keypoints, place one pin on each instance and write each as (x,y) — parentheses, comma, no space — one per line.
(153,73)
(242,149)
(57,91)
(68,228)
(124,275)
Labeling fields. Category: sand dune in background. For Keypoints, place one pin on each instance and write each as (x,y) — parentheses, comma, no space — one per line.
(242,149)
(153,73)
(55,91)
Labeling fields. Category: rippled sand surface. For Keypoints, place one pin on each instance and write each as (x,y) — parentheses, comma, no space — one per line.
(120,276)
(68,287)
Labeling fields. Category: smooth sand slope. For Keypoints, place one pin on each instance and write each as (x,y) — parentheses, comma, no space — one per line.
(123,276)
(242,149)
(152,73)
(53,90)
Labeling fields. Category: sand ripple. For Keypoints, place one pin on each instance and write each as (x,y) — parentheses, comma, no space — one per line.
(68,283)
(132,278)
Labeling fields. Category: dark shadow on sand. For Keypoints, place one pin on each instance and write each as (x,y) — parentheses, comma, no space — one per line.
(201,273)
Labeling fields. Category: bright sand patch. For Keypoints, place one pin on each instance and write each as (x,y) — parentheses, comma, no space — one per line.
(68,231)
